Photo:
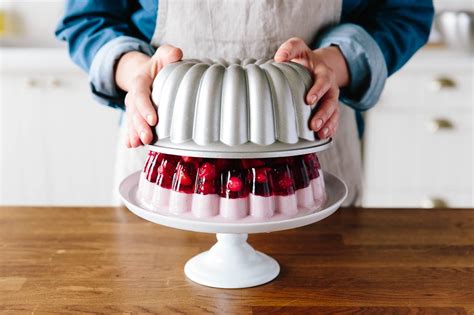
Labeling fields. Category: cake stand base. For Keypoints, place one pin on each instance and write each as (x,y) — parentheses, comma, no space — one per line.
(231,264)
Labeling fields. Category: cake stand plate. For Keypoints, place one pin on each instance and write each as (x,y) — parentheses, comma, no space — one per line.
(232,263)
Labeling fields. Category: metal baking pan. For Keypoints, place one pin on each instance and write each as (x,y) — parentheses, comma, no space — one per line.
(244,107)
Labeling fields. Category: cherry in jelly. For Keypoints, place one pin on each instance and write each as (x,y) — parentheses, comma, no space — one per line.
(300,173)
(207,179)
(152,165)
(166,171)
(282,179)
(312,165)
(234,184)
(184,177)
(261,181)
(151,155)
(252,163)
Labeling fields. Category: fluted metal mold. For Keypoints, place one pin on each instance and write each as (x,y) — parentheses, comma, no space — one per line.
(232,103)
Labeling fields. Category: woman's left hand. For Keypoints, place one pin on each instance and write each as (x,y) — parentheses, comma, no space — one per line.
(329,70)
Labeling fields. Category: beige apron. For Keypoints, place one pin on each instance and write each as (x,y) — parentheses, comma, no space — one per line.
(252,28)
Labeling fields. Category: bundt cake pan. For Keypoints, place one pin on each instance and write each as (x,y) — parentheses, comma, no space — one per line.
(234,108)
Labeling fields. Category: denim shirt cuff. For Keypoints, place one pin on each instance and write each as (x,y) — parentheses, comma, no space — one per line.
(102,70)
(367,66)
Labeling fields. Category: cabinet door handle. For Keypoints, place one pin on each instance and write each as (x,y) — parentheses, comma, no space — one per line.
(434,202)
(443,83)
(55,83)
(438,124)
(31,82)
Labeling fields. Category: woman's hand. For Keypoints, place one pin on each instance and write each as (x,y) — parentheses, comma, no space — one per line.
(329,70)
(135,74)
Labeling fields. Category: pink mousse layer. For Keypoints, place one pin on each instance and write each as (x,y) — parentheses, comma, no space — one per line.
(262,207)
(319,189)
(305,197)
(287,204)
(234,208)
(180,202)
(146,189)
(161,197)
(205,206)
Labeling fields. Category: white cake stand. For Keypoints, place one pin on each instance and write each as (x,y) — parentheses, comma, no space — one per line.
(232,263)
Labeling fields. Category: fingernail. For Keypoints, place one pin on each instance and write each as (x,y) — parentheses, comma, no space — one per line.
(283,55)
(142,135)
(313,99)
(319,123)
(149,118)
(325,131)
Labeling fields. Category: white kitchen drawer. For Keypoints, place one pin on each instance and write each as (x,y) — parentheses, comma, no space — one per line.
(57,145)
(430,89)
(418,198)
(403,153)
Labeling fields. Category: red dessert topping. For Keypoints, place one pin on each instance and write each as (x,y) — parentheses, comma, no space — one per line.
(207,179)
(311,163)
(184,178)
(152,166)
(231,178)
(166,171)
(261,177)
(300,173)
(234,184)
(250,163)
(223,164)
(151,155)
(283,180)
(190,159)
(261,183)
(207,171)
(206,188)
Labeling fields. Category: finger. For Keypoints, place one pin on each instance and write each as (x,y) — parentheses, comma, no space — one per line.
(168,54)
(322,84)
(328,105)
(142,128)
(133,138)
(127,142)
(294,48)
(142,100)
(329,129)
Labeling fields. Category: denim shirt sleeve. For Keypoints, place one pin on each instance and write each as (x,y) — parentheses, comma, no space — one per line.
(366,63)
(399,27)
(98,33)
(102,70)
(377,38)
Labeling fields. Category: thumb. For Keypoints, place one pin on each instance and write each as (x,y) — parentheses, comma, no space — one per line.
(291,49)
(167,54)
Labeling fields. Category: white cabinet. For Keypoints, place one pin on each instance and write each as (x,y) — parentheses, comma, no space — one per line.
(418,146)
(57,145)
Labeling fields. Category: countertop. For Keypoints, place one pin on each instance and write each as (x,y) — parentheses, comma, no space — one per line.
(358,260)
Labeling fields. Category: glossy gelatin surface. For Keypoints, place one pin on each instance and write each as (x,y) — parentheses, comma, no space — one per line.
(232,190)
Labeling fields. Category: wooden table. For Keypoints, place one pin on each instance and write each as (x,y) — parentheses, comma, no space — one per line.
(108,260)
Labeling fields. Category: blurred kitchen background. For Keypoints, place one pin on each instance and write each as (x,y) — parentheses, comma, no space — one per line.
(57,147)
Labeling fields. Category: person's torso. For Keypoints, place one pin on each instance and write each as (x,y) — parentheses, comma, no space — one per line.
(145,14)
(239,29)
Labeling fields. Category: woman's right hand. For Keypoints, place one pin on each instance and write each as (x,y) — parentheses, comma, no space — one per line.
(135,74)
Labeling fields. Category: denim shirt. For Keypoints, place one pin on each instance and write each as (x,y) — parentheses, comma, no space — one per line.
(376,38)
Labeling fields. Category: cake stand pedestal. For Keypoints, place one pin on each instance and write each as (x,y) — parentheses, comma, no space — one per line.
(232,262)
